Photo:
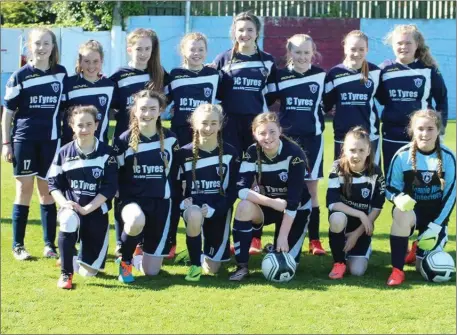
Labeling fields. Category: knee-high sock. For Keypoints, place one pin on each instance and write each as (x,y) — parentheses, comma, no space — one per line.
(337,241)
(19,218)
(67,243)
(118,223)
(49,222)
(398,249)
(242,236)
(128,246)
(313,226)
(194,247)
(257,231)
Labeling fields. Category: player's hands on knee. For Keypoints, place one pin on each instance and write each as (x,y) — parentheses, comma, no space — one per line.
(204,209)
(404,202)
(186,203)
(429,238)
(71,205)
(278,204)
(282,244)
(7,153)
(351,240)
(367,224)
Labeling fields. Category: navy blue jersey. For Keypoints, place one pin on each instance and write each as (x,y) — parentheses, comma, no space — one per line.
(366,193)
(244,81)
(79,91)
(35,96)
(147,177)
(281,177)
(206,188)
(187,89)
(423,185)
(300,96)
(81,177)
(405,89)
(353,99)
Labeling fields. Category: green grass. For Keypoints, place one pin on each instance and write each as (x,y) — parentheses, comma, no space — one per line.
(311,303)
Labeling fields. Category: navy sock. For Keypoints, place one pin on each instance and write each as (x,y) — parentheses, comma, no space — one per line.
(67,243)
(194,247)
(118,223)
(337,241)
(257,231)
(19,218)
(242,236)
(398,249)
(313,226)
(128,246)
(49,222)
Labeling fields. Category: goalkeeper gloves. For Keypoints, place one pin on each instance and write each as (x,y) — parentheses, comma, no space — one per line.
(404,202)
(429,238)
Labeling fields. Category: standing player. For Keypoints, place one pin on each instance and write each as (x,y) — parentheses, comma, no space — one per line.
(246,72)
(147,179)
(143,71)
(421,185)
(299,87)
(355,197)
(190,85)
(351,87)
(408,83)
(83,180)
(278,166)
(209,168)
(33,96)
(89,87)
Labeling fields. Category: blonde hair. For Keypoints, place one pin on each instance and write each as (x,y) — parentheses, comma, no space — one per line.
(298,39)
(134,125)
(54,57)
(365,71)
(91,45)
(435,117)
(207,108)
(359,133)
(154,68)
(423,51)
(191,37)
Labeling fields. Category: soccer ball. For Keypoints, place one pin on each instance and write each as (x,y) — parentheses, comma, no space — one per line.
(438,266)
(279,267)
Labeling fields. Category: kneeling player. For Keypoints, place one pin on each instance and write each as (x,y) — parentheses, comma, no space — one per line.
(421,184)
(209,169)
(355,197)
(83,180)
(278,165)
(147,179)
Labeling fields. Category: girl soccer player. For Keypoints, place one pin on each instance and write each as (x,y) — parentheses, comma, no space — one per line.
(421,185)
(143,71)
(83,180)
(190,85)
(299,87)
(246,72)
(32,98)
(408,83)
(147,179)
(278,165)
(89,87)
(351,87)
(355,197)
(209,168)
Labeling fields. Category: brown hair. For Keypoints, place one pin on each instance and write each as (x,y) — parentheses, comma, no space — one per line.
(435,117)
(54,57)
(134,125)
(154,69)
(365,69)
(207,108)
(77,110)
(423,51)
(91,45)
(359,133)
(298,39)
(195,36)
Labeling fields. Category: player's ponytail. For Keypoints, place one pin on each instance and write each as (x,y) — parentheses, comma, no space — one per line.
(162,140)
(220,144)
(195,143)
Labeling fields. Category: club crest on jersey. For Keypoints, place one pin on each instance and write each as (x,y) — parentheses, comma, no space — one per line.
(264,72)
(313,88)
(368,83)
(246,156)
(219,170)
(207,91)
(427,176)
(99,116)
(365,192)
(418,82)
(102,101)
(283,176)
(164,156)
(97,172)
(55,87)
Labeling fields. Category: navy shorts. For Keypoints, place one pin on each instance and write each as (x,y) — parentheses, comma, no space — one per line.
(297,232)
(157,212)
(362,247)
(34,157)
(94,238)
(313,146)
(375,147)
(389,148)
(183,134)
(237,131)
